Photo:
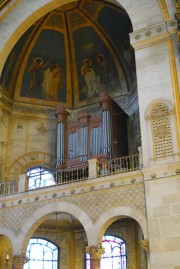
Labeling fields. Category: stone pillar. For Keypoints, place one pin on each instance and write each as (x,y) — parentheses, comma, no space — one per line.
(18,261)
(95,253)
(61,115)
(23,183)
(93,168)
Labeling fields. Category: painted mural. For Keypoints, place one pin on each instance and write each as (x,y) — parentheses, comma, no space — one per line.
(45,73)
(71,55)
(12,65)
(120,38)
(96,69)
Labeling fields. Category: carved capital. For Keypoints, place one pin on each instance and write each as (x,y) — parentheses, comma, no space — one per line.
(19,260)
(145,245)
(95,251)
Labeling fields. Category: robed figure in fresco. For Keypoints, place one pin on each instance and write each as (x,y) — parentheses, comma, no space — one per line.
(52,82)
(90,78)
(36,76)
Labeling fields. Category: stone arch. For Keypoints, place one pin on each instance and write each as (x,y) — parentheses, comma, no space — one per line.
(23,162)
(112,215)
(154,103)
(31,224)
(9,234)
(31,13)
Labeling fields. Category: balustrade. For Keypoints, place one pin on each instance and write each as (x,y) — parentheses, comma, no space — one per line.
(93,169)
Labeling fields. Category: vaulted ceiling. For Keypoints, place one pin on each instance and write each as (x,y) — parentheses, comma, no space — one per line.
(70,55)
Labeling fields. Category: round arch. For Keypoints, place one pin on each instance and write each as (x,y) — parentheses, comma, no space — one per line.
(40,215)
(23,162)
(9,234)
(112,215)
(16,25)
(154,103)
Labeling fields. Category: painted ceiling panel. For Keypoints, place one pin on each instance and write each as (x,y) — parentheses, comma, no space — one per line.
(72,54)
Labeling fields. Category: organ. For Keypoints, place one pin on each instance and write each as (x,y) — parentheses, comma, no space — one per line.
(102,136)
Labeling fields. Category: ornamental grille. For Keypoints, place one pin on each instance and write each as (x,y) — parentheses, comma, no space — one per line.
(161,132)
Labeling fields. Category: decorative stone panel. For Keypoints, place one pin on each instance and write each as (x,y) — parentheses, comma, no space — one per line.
(161,132)
(94,203)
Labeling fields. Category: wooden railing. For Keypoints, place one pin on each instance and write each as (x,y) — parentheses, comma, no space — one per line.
(76,174)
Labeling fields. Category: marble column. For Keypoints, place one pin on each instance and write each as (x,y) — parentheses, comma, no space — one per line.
(18,261)
(95,253)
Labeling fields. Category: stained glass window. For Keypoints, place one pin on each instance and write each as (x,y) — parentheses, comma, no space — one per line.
(40,177)
(42,254)
(114,256)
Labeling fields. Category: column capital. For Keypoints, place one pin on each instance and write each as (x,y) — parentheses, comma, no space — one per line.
(19,261)
(145,245)
(95,251)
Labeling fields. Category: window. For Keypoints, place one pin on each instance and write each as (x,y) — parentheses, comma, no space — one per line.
(114,256)
(40,177)
(42,254)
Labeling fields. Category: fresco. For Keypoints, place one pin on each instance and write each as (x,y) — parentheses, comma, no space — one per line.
(45,73)
(9,70)
(95,67)
(116,18)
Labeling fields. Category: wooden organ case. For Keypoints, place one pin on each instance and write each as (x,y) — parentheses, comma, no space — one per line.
(102,136)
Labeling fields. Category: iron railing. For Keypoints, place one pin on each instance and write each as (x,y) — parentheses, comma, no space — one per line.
(8,187)
(77,174)
(66,176)
(119,165)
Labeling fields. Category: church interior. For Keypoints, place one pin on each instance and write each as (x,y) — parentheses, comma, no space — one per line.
(89,134)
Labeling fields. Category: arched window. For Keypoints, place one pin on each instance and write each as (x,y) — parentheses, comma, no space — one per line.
(42,254)
(40,177)
(115,253)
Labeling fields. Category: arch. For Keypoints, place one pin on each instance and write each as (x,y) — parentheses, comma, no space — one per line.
(9,234)
(112,215)
(23,162)
(156,102)
(40,215)
(30,13)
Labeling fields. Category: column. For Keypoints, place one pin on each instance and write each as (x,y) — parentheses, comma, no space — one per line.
(18,261)
(61,115)
(105,102)
(95,253)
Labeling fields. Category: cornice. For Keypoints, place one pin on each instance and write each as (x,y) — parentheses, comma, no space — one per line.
(154,34)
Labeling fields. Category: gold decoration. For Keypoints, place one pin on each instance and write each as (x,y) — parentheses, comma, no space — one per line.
(19,260)
(137,36)
(95,251)
(145,245)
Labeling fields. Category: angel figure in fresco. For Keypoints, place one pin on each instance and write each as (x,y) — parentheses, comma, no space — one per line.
(36,76)
(89,77)
(104,71)
(52,82)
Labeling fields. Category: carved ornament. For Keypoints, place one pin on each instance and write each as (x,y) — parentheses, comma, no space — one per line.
(95,251)
(19,260)
(162,131)
(145,245)
(95,121)
(61,114)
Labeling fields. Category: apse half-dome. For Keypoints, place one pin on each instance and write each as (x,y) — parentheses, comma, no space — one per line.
(71,55)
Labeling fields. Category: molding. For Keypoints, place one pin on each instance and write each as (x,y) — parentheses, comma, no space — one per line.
(154,34)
